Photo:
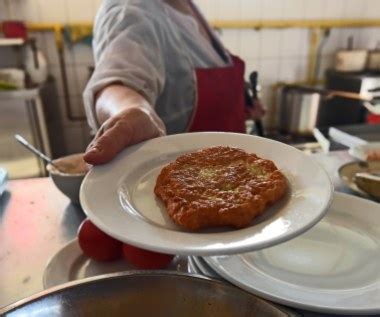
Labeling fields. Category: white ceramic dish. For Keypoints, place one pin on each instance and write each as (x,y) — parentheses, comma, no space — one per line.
(203,267)
(333,268)
(119,198)
(70,264)
(361,151)
(69,182)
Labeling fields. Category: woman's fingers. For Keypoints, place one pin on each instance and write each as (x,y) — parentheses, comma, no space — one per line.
(106,147)
(119,132)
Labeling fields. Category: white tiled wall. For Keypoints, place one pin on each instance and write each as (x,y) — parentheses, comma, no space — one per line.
(278,55)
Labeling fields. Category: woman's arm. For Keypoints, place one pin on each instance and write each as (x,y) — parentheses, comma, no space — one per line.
(126,118)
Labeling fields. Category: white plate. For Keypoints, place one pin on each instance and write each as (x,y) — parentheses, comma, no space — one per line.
(333,268)
(119,198)
(204,267)
(70,264)
(361,151)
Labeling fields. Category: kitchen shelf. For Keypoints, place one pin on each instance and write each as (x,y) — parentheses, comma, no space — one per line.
(19,94)
(12,42)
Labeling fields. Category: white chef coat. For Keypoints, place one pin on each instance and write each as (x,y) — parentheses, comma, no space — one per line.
(153,48)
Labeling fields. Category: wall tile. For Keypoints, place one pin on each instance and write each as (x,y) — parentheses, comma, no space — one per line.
(290,42)
(304,42)
(334,42)
(370,38)
(83,54)
(27,10)
(80,11)
(209,8)
(82,75)
(268,70)
(251,9)
(371,9)
(231,40)
(52,11)
(229,10)
(354,9)
(72,80)
(68,55)
(96,6)
(272,9)
(250,42)
(288,69)
(270,43)
(334,9)
(294,9)
(315,9)
(51,49)
(327,62)
(3,11)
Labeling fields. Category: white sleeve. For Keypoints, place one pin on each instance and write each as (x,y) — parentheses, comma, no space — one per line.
(127,50)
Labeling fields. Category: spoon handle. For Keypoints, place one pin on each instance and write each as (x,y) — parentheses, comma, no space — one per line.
(30,147)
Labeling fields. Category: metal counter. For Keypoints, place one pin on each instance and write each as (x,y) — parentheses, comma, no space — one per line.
(36,220)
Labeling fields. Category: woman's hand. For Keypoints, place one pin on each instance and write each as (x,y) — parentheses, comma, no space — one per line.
(130,124)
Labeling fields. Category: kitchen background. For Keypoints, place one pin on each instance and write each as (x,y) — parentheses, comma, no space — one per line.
(279,55)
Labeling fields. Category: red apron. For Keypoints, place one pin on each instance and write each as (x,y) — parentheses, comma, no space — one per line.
(220,103)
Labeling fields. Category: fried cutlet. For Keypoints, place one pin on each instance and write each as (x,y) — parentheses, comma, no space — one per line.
(219,186)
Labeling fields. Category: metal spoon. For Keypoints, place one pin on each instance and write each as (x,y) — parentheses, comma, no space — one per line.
(31,148)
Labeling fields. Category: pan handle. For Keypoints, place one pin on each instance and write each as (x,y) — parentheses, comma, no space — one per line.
(348,95)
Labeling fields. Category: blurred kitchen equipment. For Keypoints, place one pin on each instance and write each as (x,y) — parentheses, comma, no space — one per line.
(12,78)
(362,83)
(350,60)
(253,78)
(14,29)
(304,108)
(373,63)
(31,148)
(149,293)
(35,64)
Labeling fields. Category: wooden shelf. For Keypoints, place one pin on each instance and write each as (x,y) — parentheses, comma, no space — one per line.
(12,42)
(20,94)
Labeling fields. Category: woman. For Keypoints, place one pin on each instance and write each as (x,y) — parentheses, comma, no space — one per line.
(159,69)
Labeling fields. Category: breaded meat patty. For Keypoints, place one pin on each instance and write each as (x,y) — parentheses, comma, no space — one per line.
(219,186)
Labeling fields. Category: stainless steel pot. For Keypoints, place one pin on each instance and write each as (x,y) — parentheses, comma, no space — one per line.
(145,294)
(304,108)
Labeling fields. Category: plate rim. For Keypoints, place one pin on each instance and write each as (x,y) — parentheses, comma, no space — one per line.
(297,303)
(51,261)
(197,250)
(356,189)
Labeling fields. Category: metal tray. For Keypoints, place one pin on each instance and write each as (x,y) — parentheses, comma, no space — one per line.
(144,293)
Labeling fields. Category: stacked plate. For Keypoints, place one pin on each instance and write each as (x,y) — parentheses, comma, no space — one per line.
(332,268)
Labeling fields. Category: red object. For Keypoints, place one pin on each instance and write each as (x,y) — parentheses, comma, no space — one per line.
(373,119)
(15,29)
(221,104)
(144,259)
(96,244)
